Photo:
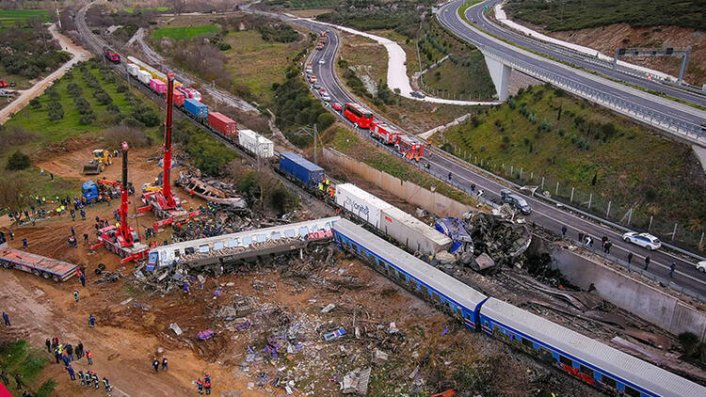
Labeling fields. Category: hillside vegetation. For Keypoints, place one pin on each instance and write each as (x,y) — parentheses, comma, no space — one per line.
(543,132)
(579,14)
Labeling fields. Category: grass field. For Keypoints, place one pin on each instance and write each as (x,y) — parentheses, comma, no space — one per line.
(184,32)
(348,142)
(579,14)
(461,78)
(546,133)
(19,358)
(157,9)
(37,120)
(10,18)
(256,64)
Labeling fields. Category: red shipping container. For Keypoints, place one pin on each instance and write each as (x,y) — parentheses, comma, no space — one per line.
(223,124)
(158,86)
(178,98)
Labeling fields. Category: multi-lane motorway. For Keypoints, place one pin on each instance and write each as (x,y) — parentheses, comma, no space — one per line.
(683,114)
(545,214)
(477,15)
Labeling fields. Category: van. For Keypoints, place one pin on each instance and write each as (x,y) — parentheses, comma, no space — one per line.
(516,201)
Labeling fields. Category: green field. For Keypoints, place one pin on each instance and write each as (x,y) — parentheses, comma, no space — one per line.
(20,358)
(37,120)
(184,32)
(9,18)
(255,64)
(579,14)
(157,9)
(546,133)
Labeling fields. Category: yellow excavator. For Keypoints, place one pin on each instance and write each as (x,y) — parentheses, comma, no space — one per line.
(101,159)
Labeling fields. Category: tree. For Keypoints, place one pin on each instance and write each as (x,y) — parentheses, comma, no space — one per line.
(13,192)
(18,161)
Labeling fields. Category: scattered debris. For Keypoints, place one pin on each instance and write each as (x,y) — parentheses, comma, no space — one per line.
(335,334)
(356,382)
(205,334)
(211,190)
(328,308)
(379,356)
(175,327)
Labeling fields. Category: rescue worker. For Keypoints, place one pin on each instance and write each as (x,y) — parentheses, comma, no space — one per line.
(106,384)
(89,357)
(76,295)
(96,381)
(81,378)
(155,365)
(199,385)
(6,319)
(72,374)
(164,364)
(91,320)
(207,385)
(47,342)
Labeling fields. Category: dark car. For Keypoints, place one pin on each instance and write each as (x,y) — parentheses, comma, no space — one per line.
(516,201)
(417,94)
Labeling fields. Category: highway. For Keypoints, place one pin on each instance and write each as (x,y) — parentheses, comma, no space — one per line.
(665,108)
(564,54)
(545,214)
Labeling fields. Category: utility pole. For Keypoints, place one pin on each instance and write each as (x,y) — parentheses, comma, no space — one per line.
(316,138)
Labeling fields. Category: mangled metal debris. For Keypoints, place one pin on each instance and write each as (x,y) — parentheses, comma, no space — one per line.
(211,190)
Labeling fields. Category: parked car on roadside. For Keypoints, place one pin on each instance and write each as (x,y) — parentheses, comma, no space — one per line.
(326,97)
(337,106)
(417,94)
(644,240)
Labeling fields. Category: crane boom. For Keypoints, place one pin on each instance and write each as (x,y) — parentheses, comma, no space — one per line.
(166,177)
(124,230)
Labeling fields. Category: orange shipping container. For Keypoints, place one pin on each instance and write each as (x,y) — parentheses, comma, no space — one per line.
(223,124)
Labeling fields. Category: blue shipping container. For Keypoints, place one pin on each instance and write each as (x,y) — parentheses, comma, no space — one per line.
(196,109)
(301,169)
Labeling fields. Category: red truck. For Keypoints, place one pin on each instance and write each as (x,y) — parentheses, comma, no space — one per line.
(410,147)
(223,124)
(6,84)
(38,265)
(384,133)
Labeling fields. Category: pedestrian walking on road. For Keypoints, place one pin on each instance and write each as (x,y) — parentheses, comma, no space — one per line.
(629,259)
(608,245)
(450,175)
(91,320)
(647,262)
(76,295)
(47,342)
(672,267)
(164,364)
(89,357)
(155,365)
(6,319)
(563,231)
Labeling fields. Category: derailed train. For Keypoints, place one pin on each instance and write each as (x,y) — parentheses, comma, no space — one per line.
(582,357)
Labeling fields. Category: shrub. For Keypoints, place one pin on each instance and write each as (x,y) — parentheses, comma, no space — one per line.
(18,161)
(56,114)
(35,104)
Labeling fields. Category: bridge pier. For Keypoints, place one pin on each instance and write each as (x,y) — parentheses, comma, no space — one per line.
(500,73)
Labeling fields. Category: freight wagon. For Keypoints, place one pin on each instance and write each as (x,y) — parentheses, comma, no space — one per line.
(223,124)
(301,170)
(196,109)
(158,86)
(256,144)
(38,265)
(111,55)
(360,203)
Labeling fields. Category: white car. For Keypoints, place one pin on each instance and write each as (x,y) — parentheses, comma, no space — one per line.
(644,240)
(701,266)
(322,61)
(325,96)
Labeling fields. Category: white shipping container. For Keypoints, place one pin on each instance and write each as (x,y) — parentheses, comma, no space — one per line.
(361,203)
(412,233)
(144,77)
(132,69)
(256,143)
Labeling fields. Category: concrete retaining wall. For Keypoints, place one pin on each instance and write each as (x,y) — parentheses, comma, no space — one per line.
(645,301)
(412,193)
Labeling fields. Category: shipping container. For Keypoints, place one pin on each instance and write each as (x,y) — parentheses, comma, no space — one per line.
(196,109)
(412,233)
(158,86)
(360,203)
(144,77)
(301,169)
(223,124)
(256,143)
(178,98)
(132,69)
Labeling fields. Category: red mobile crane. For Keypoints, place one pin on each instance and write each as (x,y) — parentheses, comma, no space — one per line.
(163,202)
(121,239)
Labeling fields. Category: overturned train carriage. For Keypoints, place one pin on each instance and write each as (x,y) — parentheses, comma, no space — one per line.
(243,246)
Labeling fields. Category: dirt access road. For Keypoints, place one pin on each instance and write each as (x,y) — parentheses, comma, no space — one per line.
(79,55)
